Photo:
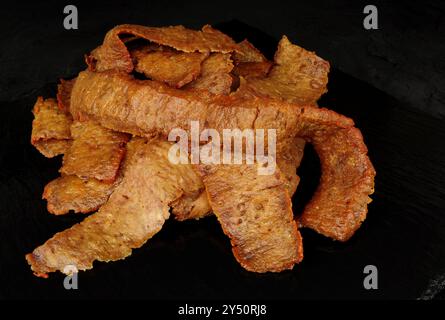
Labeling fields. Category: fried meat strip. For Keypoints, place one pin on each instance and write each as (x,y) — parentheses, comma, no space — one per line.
(250,62)
(192,205)
(252,69)
(146,108)
(339,205)
(135,211)
(79,195)
(247,53)
(294,71)
(215,76)
(258,219)
(172,67)
(298,76)
(114,55)
(96,152)
(50,128)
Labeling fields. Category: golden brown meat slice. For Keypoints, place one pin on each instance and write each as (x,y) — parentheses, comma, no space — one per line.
(249,61)
(288,79)
(298,76)
(50,128)
(52,147)
(255,212)
(192,206)
(247,53)
(71,193)
(172,67)
(158,106)
(96,152)
(288,160)
(252,69)
(215,75)
(64,89)
(114,55)
(146,108)
(135,211)
(339,205)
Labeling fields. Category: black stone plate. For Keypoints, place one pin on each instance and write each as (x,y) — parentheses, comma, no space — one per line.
(403,236)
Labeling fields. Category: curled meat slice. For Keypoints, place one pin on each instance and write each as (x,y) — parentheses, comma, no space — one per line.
(114,55)
(298,76)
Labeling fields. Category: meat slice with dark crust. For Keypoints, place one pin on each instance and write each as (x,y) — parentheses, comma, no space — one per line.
(146,108)
(96,152)
(258,218)
(50,128)
(134,212)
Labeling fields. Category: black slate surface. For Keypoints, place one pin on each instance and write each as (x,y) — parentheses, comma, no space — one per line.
(404,235)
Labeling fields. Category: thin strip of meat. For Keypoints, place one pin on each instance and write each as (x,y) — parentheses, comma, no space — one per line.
(298,76)
(247,53)
(215,76)
(114,55)
(50,128)
(191,206)
(71,193)
(258,219)
(252,69)
(291,63)
(145,108)
(134,212)
(96,152)
(249,61)
(172,67)
(339,205)
(288,161)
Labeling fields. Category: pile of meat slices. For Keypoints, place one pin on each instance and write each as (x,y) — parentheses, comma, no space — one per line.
(112,121)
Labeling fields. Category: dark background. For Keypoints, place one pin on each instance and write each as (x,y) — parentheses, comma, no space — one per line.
(391,81)
(405,57)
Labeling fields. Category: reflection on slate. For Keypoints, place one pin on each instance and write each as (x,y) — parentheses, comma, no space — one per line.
(404,235)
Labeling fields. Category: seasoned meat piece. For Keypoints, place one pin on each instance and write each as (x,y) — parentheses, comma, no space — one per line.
(50,128)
